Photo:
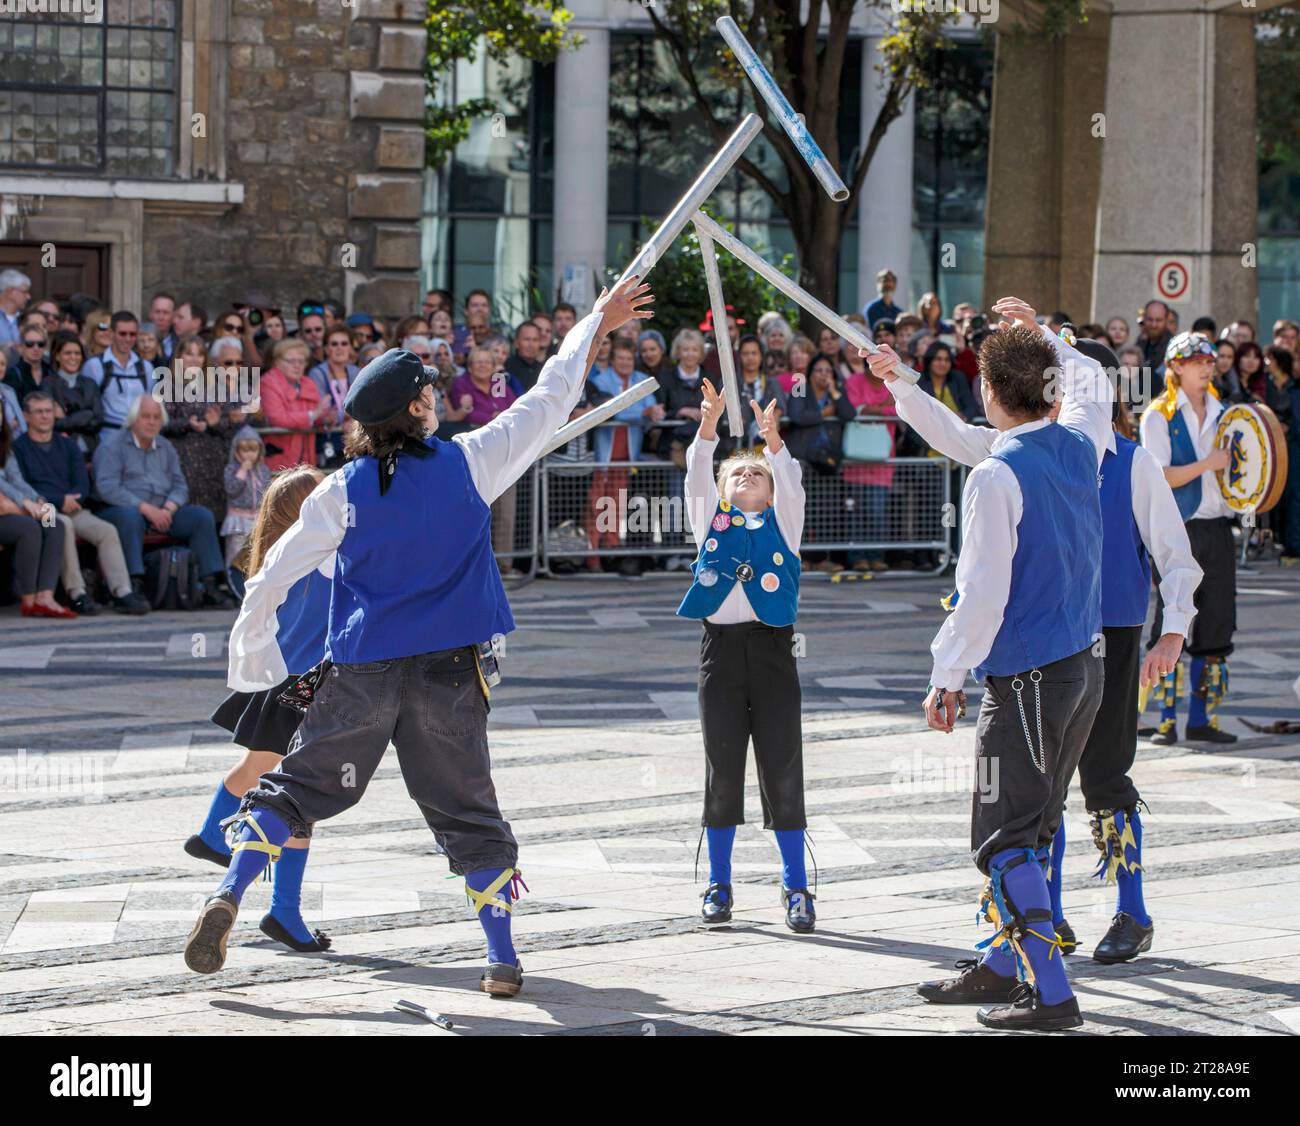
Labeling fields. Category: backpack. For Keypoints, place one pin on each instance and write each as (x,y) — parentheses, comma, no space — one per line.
(171,579)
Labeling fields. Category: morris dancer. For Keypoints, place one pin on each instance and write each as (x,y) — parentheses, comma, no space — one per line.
(416,598)
(264,726)
(1139,520)
(1178,429)
(1026,617)
(748,523)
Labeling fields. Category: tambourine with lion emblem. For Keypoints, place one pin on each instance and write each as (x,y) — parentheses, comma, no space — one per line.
(1256,445)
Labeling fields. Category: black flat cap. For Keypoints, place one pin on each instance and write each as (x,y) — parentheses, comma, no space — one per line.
(386,385)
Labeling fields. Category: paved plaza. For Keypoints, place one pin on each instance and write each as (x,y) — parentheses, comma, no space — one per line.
(107,763)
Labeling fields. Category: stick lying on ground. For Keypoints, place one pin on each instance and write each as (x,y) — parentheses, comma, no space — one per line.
(593,418)
(796,293)
(771,93)
(694,198)
(722,336)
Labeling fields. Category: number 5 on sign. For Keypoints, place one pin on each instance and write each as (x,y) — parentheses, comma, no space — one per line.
(1173,278)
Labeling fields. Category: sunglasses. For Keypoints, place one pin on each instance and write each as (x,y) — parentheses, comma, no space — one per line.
(33,343)
(313,330)
(235,327)
(307,310)
(102,326)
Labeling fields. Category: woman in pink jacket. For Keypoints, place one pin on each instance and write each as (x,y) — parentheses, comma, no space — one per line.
(292,402)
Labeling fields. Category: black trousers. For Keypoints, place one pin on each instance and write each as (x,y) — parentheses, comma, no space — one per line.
(38,552)
(749,687)
(1215,598)
(434,710)
(1112,746)
(1019,803)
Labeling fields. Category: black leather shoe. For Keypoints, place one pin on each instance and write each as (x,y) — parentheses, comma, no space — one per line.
(1208,734)
(273,928)
(717,904)
(502,980)
(800,915)
(1165,738)
(85,606)
(1124,941)
(1027,1013)
(205,949)
(198,848)
(215,598)
(1069,941)
(131,603)
(977,985)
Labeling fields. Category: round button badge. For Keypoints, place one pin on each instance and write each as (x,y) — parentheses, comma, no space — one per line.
(737,521)
(744,572)
(769,582)
(710,544)
(777,558)
(707,577)
(720,523)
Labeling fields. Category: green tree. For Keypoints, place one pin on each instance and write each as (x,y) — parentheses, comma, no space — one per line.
(457,32)
(804,48)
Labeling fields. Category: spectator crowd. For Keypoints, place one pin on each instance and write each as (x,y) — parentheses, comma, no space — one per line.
(122,432)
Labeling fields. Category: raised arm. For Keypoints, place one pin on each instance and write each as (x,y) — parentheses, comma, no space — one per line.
(701,485)
(941,428)
(255,660)
(500,452)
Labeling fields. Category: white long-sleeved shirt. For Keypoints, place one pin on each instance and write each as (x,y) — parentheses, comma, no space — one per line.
(498,454)
(702,503)
(992,503)
(1155,511)
(1154,432)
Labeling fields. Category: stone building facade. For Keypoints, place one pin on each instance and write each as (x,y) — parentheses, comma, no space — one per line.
(292,165)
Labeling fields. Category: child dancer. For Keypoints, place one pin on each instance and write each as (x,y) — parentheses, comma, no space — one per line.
(416,596)
(748,524)
(259,722)
(246,478)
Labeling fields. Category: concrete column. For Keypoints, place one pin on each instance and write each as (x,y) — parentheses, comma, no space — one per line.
(885,208)
(1179,177)
(581,165)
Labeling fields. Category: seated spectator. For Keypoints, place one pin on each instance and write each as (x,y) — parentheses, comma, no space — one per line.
(56,469)
(119,373)
(245,479)
(883,307)
(525,362)
(15,293)
(198,426)
(14,421)
(81,416)
(292,402)
(138,476)
(28,524)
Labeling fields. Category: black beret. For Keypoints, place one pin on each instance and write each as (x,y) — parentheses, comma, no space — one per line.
(386,385)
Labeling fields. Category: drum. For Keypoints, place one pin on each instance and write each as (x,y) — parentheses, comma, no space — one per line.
(1256,475)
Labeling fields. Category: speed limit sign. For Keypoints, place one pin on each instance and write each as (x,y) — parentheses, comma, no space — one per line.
(1173,276)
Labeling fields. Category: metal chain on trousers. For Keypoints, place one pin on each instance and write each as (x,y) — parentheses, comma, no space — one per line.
(1017,686)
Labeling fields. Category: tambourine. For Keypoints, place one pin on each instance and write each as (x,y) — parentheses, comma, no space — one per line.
(1256,444)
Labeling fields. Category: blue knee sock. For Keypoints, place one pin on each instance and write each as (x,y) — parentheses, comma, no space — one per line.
(1026,887)
(286,892)
(224,804)
(494,918)
(1000,959)
(247,864)
(1054,876)
(1129,874)
(720,842)
(793,872)
(1196,715)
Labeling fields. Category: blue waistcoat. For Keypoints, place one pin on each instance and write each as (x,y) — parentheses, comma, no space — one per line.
(1182,449)
(737,547)
(1125,566)
(1054,607)
(303,621)
(415,571)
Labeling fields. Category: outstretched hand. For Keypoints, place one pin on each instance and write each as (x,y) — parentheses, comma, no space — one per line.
(1014,311)
(627,300)
(711,408)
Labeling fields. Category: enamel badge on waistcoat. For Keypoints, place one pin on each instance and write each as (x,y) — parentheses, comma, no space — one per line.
(749,549)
